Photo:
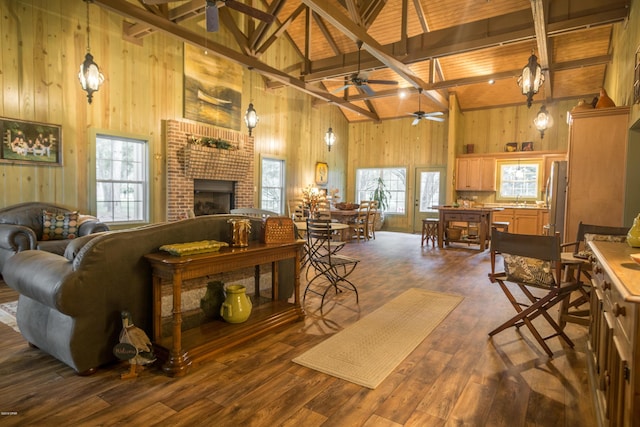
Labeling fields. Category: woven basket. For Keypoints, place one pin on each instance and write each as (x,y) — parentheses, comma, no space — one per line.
(279,229)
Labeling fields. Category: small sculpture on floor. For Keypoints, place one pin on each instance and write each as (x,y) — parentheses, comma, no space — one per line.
(135,346)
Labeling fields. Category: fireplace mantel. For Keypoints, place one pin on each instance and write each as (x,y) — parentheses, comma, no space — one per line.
(202,162)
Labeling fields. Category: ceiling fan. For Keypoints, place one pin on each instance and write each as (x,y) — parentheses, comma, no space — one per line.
(419,115)
(361,81)
(211,11)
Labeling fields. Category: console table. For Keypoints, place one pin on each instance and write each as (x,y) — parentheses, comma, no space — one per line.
(179,350)
(614,334)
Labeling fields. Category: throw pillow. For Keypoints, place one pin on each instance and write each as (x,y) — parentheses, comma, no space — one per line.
(528,270)
(59,226)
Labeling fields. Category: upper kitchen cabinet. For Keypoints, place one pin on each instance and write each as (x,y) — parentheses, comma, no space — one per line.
(598,169)
(476,174)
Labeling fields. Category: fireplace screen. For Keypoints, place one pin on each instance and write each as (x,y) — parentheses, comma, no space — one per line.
(212,197)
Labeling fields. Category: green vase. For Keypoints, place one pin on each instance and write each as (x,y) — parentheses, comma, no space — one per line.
(633,236)
(237,306)
(213,299)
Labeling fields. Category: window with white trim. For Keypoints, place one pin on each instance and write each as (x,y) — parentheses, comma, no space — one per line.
(272,184)
(121,179)
(395,182)
(519,180)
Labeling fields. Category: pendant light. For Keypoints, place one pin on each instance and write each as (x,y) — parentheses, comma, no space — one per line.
(543,121)
(251,118)
(330,136)
(531,79)
(90,76)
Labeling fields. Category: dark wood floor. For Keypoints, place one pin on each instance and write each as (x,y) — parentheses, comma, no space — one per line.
(456,377)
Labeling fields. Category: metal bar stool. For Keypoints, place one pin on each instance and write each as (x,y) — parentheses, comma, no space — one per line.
(430,231)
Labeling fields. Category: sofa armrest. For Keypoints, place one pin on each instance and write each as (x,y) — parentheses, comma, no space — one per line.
(92,226)
(49,279)
(17,238)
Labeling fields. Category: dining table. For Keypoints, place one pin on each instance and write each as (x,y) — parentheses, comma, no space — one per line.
(335,226)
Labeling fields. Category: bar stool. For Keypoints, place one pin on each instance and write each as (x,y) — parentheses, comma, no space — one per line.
(500,226)
(430,231)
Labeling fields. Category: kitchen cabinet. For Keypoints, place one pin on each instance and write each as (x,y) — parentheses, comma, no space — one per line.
(614,344)
(476,174)
(523,220)
(598,169)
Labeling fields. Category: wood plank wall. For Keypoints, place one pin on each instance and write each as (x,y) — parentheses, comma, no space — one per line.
(44,41)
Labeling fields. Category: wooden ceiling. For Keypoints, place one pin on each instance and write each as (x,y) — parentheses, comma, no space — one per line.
(441,47)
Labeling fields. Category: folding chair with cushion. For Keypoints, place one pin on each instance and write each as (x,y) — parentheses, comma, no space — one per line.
(530,262)
(327,264)
(578,264)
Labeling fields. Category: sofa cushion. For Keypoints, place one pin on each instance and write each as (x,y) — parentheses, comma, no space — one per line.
(57,247)
(59,226)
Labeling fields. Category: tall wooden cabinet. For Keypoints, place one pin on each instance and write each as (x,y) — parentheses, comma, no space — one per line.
(597,168)
(476,174)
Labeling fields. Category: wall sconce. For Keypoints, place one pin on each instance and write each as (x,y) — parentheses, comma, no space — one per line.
(251,118)
(531,78)
(543,121)
(329,138)
(90,76)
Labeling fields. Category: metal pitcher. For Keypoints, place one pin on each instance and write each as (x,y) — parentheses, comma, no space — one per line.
(240,229)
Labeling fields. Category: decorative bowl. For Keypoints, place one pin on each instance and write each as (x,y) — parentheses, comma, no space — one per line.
(635,257)
(347,206)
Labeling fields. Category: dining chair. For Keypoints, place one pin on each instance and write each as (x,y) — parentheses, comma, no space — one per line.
(577,264)
(371,219)
(296,210)
(331,269)
(358,225)
(533,265)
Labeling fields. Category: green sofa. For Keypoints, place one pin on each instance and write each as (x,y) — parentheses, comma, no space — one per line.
(70,305)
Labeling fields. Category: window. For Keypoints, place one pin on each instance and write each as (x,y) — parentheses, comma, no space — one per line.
(519,180)
(272,185)
(122,185)
(395,181)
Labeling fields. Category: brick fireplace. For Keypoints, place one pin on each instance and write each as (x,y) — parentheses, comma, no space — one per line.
(187,163)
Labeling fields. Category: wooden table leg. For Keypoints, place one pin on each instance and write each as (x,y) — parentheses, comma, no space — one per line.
(178,362)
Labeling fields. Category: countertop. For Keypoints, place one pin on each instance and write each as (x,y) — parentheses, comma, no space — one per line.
(620,267)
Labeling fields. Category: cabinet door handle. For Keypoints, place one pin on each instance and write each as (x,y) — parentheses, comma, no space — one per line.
(606,285)
(597,269)
(619,310)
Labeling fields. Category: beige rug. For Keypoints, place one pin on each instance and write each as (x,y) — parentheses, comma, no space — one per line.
(370,349)
(8,314)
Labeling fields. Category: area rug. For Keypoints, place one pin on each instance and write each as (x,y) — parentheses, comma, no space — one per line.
(8,314)
(370,349)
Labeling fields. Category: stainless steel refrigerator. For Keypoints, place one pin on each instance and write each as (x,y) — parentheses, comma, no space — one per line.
(556,197)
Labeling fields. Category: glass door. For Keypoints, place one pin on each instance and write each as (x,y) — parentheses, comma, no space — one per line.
(429,193)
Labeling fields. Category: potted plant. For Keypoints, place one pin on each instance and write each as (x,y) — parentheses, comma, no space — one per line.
(382,196)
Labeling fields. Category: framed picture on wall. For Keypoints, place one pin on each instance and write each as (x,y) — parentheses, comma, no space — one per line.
(322,173)
(30,142)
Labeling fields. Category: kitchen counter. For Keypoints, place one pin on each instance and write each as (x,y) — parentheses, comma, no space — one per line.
(620,267)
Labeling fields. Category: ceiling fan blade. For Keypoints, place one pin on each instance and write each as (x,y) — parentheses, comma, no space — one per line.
(415,121)
(248,10)
(382,82)
(212,17)
(435,119)
(367,89)
(341,88)
(435,113)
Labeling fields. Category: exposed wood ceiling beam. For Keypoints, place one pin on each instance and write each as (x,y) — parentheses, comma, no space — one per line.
(356,33)
(281,30)
(467,37)
(123,8)
(538,8)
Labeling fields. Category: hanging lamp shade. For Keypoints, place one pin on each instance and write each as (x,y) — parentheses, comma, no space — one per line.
(329,138)
(251,118)
(531,79)
(90,76)
(543,121)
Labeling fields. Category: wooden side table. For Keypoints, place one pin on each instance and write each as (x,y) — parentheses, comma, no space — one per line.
(430,231)
(179,350)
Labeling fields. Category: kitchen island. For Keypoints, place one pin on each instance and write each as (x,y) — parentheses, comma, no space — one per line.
(474,215)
